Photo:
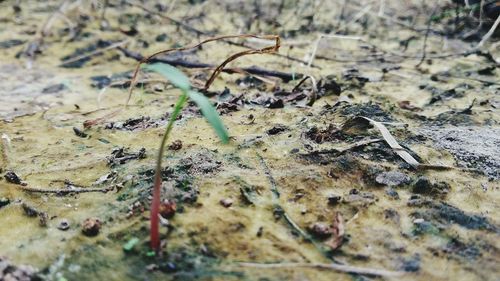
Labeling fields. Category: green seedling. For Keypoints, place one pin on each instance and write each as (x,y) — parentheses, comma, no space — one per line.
(181,81)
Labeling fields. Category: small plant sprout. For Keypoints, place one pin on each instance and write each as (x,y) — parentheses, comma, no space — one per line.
(181,81)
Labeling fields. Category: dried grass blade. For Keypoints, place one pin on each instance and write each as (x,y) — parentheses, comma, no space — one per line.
(391,141)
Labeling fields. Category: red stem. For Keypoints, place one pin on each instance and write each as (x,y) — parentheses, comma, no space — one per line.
(155,212)
(155,203)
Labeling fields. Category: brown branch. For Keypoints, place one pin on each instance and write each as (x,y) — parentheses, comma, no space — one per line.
(424,49)
(188,64)
(270,49)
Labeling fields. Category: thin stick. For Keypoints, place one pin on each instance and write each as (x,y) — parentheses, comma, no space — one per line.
(274,48)
(429,22)
(337,152)
(96,52)
(332,266)
(254,70)
(171,6)
(4,146)
(133,81)
(320,36)
(381,8)
(65,191)
(314,91)
(487,36)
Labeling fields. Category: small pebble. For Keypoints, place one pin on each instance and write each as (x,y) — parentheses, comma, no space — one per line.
(91,227)
(12,177)
(29,210)
(79,132)
(418,221)
(152,267)
(168,208)
(176,145)
(4,202)
(392,178)
(226,202)
(63,225)
(334,199)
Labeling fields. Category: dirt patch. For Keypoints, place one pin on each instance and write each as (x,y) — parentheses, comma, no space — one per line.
(472,147)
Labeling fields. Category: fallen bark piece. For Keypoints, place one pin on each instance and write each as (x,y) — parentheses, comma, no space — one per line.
(120,156)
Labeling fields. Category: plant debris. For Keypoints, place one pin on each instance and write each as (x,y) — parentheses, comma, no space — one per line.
(120,156)
(91,227)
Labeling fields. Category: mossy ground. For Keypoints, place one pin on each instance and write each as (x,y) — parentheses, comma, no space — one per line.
(449,233)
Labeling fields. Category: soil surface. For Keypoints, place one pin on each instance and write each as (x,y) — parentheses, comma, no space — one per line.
(385,164)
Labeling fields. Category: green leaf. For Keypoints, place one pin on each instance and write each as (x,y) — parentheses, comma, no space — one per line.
(130,244)
(210,114)
(174,75)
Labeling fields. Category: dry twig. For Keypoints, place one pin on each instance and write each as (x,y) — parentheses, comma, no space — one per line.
(487,36)
(66,191)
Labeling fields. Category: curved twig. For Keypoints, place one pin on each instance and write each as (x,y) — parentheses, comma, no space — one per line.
(216,72)
(314,95)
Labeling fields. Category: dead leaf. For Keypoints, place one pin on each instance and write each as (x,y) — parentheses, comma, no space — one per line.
(337,232)
(405,104)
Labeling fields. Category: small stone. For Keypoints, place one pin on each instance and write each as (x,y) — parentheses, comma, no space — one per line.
(277,129)
(418,221)
(169,267)
(392,193)
(63,225)
(176,145)
(391,214)
(12,177)
(226,202)
(161,38)
(320,230)
(425,186)
(91,227)
(152,267)
(355,197)
(53,89)
(334,199)
(43,218)
(79,132)
(275,103)
(392,178)
(260,231)
(4,202)
(29,210)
